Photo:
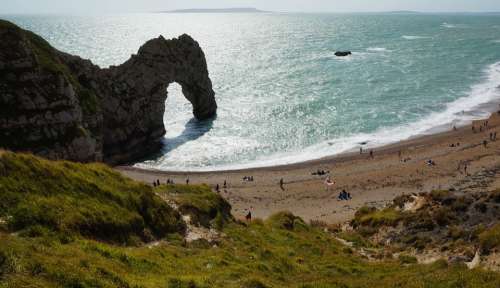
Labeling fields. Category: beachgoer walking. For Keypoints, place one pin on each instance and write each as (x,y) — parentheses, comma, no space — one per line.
(217,188)
(282,183)
(485,143)
(371,154)
(187,181)
(158,182)
(225,184)
(248,217)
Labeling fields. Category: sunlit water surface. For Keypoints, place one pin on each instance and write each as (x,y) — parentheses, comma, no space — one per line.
(282,94)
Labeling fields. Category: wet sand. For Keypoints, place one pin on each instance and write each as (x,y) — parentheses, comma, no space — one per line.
(371,181)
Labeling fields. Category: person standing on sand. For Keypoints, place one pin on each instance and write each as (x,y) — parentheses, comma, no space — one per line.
(225,184)
(217,189)
(282,183)
(371,154)
(248,217)
(187,181)
(465,169)
(360,150)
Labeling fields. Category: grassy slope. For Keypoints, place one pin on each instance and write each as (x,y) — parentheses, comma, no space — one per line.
(281,252)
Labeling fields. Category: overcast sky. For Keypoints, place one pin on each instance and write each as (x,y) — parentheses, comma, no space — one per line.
(110,6)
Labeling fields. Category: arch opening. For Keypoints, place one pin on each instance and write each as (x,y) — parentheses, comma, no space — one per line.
(181,125)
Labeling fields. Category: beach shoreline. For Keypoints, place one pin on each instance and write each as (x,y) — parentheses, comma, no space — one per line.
(372,182)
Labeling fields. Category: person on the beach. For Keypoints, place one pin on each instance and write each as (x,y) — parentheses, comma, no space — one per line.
(225,184)
(371,154)
(282,183)
(154,183)
(485,143)
(329,183)
(465,169)
(217,188)
(187,181)
(473,128)
(158,182)
(248,217)
(360,150)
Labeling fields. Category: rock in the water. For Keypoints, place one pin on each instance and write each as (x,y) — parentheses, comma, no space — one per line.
(343,53)
(63,107)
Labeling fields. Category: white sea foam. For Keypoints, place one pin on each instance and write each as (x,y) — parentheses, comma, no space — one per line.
(457,113)
(407,37)
(448,25)
(377,49)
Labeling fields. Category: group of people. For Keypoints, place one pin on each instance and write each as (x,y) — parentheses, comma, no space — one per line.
(361,152)
(320,173)
(248,178)
(344,195)
(169,182)
(217,187)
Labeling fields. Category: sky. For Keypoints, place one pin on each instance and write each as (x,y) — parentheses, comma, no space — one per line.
(113,6)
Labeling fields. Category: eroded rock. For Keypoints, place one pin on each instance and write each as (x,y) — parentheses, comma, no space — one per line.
(63,107)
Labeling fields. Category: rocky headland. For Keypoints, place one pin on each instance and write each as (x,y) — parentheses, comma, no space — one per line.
(61,106)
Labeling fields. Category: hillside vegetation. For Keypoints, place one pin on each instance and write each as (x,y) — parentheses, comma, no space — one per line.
(71,225)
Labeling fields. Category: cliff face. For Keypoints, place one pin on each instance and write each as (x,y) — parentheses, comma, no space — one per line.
(63,107)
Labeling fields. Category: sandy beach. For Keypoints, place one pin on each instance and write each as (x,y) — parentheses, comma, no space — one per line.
(371,181)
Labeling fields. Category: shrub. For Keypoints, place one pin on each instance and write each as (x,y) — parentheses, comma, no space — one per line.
(376,218)
(406,259)
(490,238)
(286,220)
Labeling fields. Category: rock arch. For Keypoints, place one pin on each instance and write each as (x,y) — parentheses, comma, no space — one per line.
(139,89)
(61,106)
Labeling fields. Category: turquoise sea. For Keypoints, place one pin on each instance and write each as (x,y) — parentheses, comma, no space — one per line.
(284,97)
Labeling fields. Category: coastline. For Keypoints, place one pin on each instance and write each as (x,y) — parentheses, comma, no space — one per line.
(372,182)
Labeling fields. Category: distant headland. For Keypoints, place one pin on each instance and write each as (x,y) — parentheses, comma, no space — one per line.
(218,10)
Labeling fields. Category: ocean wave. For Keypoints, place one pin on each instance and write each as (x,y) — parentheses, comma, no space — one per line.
(407,37)
(457,113)
(447,25)
(378,49)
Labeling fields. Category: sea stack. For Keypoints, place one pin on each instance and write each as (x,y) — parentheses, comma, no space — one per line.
(343,53)
(61,106)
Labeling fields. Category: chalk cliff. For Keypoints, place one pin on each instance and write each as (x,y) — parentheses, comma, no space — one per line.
(63,107)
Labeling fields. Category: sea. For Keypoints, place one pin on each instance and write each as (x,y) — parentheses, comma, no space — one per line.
(283,95)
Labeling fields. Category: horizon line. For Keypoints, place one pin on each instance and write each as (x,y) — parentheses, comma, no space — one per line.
(179,11)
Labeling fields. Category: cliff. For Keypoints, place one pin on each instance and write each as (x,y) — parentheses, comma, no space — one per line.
(63,107)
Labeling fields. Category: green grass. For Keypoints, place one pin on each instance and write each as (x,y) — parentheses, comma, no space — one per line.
(91,200)
(374,218)
(199,202)
(54,209)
